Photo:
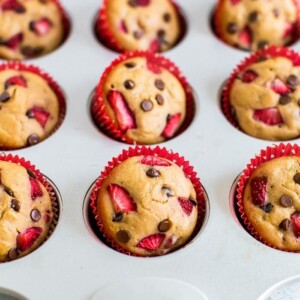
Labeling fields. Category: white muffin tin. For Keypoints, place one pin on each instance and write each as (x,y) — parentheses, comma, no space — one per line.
(224,262)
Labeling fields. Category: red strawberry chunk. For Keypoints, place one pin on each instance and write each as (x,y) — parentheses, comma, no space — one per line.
(171,126)
(124,116)
(16,80)
(123,27)
(154,46)
(248,76)
(142,2)
(26,239)
(41,26)
(295,218)
(151,242)
(13,5)
(121,199)
(35,188)
(153,66)
(258,190)
(270,116)
(288,31)
(154,161)
(186,205)
(245,38)
(279,87)
(14,42)
(39,114)
(234,2)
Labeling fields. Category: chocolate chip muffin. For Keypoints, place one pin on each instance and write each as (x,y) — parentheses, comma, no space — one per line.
(25,211)
(29,109)
(29,28)
(150,216)
(271,202)
(265,97)
(140,24)
(251,25)
(146,102)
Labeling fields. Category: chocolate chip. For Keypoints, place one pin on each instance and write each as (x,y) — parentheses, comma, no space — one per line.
(276,12)
(167,17)
(160,99)
(262,58)
(285,224)
(286,201)
(8,191)
(262,44)
(159,84)
(138,35)
(164,225)
(267,208)
(168,191)
(13,253)
(20,9)
(129,84)
(152,173)
(31,26)
(30,114)
(31,174)
(4,97)
(194,202)
(129,65)
(35,215)
(146,105)
(118,217)
(123,236)
(285,99)
(297,177)
(161,34)
(32,51)
(232,28)
(292,80)
(15,204)
(132,3)
(33,139)
(253,17)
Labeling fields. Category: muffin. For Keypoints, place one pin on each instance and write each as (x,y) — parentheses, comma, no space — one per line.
(25,209)
(29,107)
(125,25)
(140,100)
(30,28)
(251,25)
(263,95)
(152,216)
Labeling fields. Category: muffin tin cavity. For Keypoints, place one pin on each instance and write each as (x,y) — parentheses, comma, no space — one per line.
(7,294)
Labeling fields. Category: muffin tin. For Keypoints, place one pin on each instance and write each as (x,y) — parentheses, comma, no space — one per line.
(224,261)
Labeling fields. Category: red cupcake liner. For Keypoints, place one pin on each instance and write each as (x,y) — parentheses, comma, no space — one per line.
(65,19)
(158,152)
(106,37)
(19,66)
(268,52)
(45,182)
(99,112)
(265,155)
(217,20)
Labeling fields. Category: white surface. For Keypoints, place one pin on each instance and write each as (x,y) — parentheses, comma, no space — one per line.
(224,262)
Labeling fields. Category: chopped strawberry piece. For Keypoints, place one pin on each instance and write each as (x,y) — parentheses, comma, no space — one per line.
(121,199)
(270,116)
(35,188)
(248,76)
(151,242)
(13,5)
(153,66)
(14,42)
(171,126)
(26,239)
(234,2)
(41,26)
(124,116)
(154,46)
(295,218)
(258,190)
(288,31)
(186,205)
(279,87)
(142,2)
(39,114)
(245,38)
(123,27)
(154,161)
(15,80)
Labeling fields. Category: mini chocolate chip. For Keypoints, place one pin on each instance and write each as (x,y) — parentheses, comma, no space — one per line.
(33,139)
(286,201)
(267,208)
(159,84)
(194,202)
(35,215)
(167,17)
(292,80)
(30,114)
(146,105)
(129,84)
(285,99)
(132,3)
(276,12)
(31,26)
(123,236)
(232,28)
(262,44)
(129,65)
(297,178)
(15,204)
(152,173)
(138,35)
(285,224)
(31,174)
(161,33)
(262,58)
(118,217)
(160,99)
(8,191)
(4,97)
(168,191)
(31,51)
(253,17)
(20,10)
(164,225)
(13,253)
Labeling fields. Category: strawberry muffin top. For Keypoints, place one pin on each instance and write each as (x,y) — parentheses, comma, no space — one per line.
(146,104)
(251,25)
(265,99)
(271,202)
(29,28)
(143,24)
(29,109)
(150,216)
(25,211)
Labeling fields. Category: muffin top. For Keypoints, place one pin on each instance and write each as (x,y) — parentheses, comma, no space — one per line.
(25,211)
(29,28)
(265,99)
(152,215)
(143,24)
(29,109)
(272,204)
(251,25)
(146,102)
